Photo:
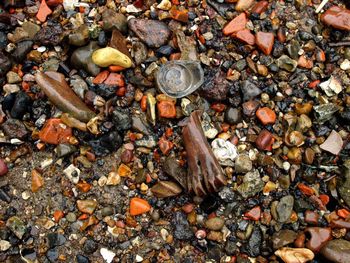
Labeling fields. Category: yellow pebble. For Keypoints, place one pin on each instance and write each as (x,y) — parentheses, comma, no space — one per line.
(108,56)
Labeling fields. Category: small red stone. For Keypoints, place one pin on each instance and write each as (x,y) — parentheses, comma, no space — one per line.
(265,140)
(3,168)
(236,24)
(314,84)
(265,42)
(143,103)
(188,208)
(218,107)
(281,35)
(246,36)
(254,213)
(344,213)
(121,92)
(58,215)
(303,62)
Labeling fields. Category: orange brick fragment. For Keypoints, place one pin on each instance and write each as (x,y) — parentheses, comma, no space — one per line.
(306,189)
(236,24)
(246,36)
(43,12)
(115,79)
(101,77)
(166,109)
(55,132)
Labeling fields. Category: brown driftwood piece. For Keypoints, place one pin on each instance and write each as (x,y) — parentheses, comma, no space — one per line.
(205,174)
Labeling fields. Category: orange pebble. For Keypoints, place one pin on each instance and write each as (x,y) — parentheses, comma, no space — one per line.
(139,206)
(266,115)
(114,68)
(143,103)
(57,215)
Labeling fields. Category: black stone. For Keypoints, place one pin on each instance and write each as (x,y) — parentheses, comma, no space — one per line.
(210,204)
(107,143)
(215,86)
(182,229)
(121,119)
(52,255)
(5,64)
(82,259)
(52,34)
(249,90)
(254,243)
(21,106)
(55,239)
(8,102)
(22,50)
(233,116)
(164,51)
(90,246)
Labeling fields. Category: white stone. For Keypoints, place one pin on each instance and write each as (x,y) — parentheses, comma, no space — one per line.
(224,151)
(331,87)
(138,258)
(208,35)
(132,9)
(345,65)
(113,178)
(41,49)
(333,144)
(102,181)
(46,163)
(25,195)
(72,173)
(107,254)
(164,5)
(69,5)
(10,88)
(4,245)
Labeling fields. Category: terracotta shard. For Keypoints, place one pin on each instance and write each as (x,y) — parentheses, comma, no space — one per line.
(205,174)
(62,96)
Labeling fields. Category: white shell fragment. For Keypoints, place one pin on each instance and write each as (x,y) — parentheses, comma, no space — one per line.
(224,151)
(107,254)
